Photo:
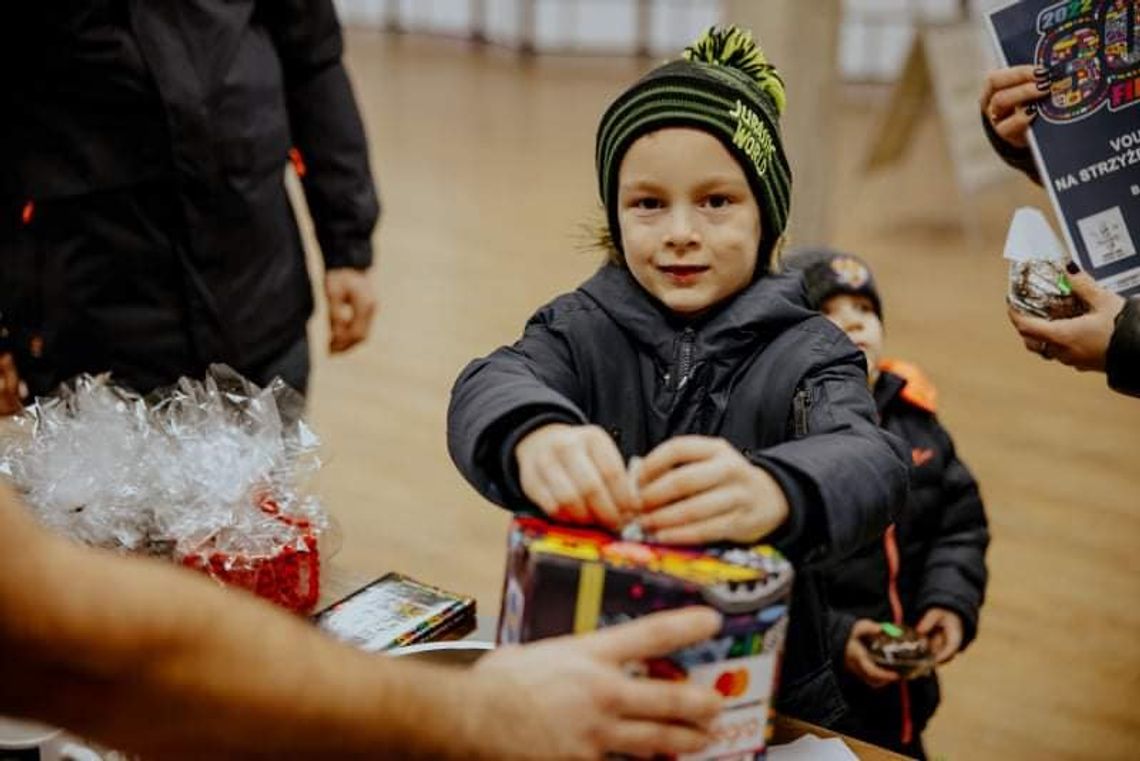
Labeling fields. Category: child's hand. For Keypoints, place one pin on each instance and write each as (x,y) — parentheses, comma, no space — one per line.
(944,629)
(698,489)
(576,473)
(857,658)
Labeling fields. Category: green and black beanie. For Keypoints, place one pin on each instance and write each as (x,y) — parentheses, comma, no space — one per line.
(827,272)
(723,85)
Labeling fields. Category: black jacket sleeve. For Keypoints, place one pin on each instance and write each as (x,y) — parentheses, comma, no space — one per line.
(326,128)
(1122,362)
(839,624)
(500,398)
(954,576)
(1020,159)
(850,474)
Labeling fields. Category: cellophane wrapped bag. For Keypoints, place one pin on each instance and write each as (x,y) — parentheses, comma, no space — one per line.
(209,474)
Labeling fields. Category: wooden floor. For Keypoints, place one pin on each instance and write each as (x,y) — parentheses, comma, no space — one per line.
(485,169)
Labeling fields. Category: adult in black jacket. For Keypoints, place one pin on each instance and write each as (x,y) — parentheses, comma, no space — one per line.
(928,570)
(1107,338)
(144,223)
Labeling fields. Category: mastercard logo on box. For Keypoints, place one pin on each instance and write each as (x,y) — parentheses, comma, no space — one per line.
(732,684)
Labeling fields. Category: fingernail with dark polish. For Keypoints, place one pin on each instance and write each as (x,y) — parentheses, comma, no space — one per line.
(1044,85)
(1031,110)
(1040,71)
(1072,267)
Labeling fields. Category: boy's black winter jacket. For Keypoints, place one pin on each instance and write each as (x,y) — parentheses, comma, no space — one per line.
(941,537)
(775,379)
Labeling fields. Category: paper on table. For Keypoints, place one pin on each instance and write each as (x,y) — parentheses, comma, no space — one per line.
(812,748)
(1030,238)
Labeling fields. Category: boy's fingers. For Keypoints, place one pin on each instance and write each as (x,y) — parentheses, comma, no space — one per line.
(589,484)
(689,510)
(607,459)
(874,674)
(676,451)
(653,635)
(706,531)
(676,484)
(568,502)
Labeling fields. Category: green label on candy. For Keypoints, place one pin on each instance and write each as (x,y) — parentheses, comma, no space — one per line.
(891,629)
(1063,284)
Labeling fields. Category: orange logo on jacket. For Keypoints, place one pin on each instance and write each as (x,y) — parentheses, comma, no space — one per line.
(921,456)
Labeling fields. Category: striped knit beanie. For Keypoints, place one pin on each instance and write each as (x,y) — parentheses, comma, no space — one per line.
(723,85)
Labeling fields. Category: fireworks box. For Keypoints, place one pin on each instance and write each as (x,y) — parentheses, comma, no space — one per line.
(563,580)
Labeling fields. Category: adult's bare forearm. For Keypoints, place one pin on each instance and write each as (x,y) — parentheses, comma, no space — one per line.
(156,660)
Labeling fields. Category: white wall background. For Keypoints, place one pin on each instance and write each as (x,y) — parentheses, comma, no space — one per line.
(873,41)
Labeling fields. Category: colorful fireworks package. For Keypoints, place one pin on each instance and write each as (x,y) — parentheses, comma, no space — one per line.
(563,580)
(205,473)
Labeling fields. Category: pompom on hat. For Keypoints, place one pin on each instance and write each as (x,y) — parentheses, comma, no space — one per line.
(722,85)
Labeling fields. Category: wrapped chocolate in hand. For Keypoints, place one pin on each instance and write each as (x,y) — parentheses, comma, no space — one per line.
(1041,288)
(902,650)
(1038,284)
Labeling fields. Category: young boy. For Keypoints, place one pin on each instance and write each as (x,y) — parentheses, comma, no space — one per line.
(751,411)
(929,569)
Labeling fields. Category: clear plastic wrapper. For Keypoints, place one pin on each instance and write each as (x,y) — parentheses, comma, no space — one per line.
(208,473)
(1038,284)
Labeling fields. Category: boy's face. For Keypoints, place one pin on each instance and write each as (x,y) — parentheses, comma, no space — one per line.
(855,316)
(690,225)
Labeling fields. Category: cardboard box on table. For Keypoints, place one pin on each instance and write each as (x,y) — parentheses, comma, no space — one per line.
(563,580)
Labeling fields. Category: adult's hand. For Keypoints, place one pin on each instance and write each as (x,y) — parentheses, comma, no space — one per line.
(1079,342)
(569,697)
(1009,98)
(352,304)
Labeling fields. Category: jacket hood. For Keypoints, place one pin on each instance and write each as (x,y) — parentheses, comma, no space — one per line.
(756,315)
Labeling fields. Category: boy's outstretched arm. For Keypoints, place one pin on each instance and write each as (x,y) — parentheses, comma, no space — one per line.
(499,399)
(955,573)
(157,660)
(846,478)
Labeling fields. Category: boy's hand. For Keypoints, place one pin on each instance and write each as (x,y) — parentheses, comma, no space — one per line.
(570,697)
(576,473)
(944,630)
(857,658)
(699,489)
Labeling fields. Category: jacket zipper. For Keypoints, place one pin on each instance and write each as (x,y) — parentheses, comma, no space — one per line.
(685,357)
(801,406)
(891,549)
